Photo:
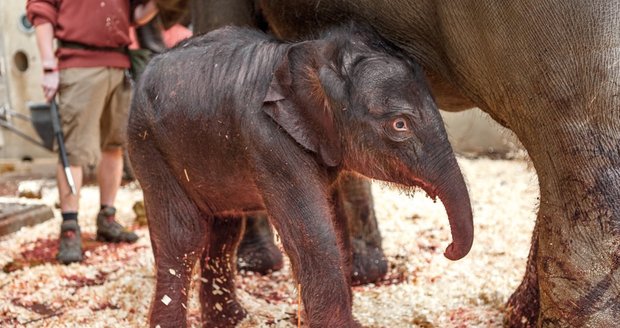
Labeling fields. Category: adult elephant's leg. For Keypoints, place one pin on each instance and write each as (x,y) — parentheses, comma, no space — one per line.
(566,114)
(571,130)
(369,263)
(578,242)
(523,306)
(257,251)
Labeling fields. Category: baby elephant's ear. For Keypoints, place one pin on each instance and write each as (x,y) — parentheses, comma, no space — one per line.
(295,104)
(333,84)
(281,83)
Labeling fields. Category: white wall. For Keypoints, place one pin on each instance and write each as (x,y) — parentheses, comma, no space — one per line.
(473,132)
(18,49)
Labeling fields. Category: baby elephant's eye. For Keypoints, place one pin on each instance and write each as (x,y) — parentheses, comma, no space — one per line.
(400,124)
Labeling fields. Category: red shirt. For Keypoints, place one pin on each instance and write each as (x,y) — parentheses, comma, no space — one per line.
(100,23)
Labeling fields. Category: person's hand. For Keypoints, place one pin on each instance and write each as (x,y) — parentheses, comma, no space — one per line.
(50,83)
(143,13)
(45,40)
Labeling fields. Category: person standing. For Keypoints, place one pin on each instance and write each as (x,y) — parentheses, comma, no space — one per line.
(88,71)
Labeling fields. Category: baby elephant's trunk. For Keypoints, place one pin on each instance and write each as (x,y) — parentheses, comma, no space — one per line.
(451,189)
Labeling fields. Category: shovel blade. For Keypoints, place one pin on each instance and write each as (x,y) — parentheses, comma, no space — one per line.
(41,118)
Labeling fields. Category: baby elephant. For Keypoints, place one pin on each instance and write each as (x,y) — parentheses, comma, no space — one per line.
(234,122)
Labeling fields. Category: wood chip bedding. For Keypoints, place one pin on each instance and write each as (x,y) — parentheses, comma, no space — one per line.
(113,286)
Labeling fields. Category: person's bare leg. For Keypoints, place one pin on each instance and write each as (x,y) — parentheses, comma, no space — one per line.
(109,175)
(68,201)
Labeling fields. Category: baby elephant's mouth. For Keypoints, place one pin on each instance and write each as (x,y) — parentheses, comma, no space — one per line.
(429,189)
(451,189)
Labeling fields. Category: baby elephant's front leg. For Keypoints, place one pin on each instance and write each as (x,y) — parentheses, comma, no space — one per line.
(302,218)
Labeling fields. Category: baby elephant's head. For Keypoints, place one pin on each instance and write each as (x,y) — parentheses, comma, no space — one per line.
(352,100)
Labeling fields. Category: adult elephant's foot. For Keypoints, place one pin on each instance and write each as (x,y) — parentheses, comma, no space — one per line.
(523,307)
(368,261)
(257,251)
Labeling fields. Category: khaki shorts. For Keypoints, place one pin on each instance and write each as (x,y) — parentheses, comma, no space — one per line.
(93,104)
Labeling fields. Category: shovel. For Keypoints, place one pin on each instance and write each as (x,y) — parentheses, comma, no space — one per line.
(61,145)
(46,122)
(40,119)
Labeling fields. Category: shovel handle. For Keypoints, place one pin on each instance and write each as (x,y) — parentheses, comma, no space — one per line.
(61,146)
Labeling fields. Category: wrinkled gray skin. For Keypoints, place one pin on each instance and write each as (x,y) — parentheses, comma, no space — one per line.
(549,71)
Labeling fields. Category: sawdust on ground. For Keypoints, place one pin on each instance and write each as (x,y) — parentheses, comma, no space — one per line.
(114,286)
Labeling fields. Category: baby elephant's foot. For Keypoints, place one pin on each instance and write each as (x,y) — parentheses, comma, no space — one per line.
(223,315)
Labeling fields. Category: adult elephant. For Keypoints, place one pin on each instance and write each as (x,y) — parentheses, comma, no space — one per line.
(549,70)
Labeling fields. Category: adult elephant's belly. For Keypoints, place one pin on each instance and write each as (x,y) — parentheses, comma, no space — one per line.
(447,95)
(298,19)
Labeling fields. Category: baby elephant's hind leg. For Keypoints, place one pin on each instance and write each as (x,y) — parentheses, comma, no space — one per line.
(177,229)
(220,307)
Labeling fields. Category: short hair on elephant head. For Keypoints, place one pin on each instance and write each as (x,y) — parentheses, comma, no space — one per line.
(235,121)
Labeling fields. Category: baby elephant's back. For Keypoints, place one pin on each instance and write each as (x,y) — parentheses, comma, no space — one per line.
(192,107)
(227,70)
